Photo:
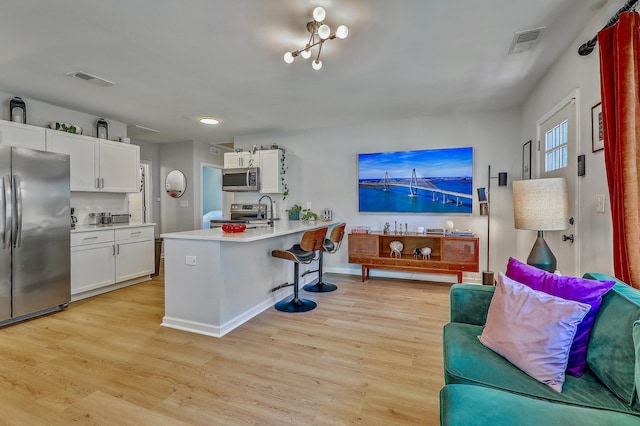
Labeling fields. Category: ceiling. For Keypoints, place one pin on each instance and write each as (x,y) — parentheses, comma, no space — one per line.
(174,61)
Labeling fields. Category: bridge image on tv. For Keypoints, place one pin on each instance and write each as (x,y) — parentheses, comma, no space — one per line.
(424,181)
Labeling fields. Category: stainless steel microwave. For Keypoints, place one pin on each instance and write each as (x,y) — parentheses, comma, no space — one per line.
(242,179)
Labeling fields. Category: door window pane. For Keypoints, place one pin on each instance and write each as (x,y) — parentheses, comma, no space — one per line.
(556,148)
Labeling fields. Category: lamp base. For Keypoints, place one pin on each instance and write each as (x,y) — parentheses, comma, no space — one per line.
(487,278)
(541,256)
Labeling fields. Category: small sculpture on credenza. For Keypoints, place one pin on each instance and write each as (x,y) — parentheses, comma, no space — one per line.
(424,253)
(396,248)
(386,227)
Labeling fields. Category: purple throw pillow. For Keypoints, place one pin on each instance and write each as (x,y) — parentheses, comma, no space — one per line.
(532,329)
(570,288)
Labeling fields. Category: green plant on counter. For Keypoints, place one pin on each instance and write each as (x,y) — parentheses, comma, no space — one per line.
(283,171)
(294,212)
(307,214)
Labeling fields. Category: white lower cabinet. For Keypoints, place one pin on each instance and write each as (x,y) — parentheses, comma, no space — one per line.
(102,260)
(134,253)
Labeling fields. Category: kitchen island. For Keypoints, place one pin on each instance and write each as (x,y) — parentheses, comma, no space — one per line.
(216,281)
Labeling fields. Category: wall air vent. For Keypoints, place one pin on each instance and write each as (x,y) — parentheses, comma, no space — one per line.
(94,79)
(525,40)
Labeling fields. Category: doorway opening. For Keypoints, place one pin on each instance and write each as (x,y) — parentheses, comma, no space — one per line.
(213,199)
(558,135)
(140,204)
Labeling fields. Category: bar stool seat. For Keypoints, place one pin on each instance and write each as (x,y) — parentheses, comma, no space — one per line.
(299,253)
(329,245)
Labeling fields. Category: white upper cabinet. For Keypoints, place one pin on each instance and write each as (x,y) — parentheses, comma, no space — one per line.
(22,135)
(82,151)
(236,160)
(119,164)
(270,171)
(97,164)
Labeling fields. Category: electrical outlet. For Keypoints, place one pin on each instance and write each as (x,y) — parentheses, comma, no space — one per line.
(191,260)
(600,200)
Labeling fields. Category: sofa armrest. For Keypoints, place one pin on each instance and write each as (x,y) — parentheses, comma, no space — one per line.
(469,303)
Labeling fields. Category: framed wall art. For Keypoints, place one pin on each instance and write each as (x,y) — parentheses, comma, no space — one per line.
(597,130)
(423,181)
(526,160)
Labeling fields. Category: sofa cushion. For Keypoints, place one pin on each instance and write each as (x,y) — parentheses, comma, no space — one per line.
(467,361)
(474,405)
(532,329)
(570,288)
(612,355)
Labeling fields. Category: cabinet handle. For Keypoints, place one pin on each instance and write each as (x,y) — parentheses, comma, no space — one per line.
(113,247)
(98,183)
(90,238)
(136,233)
(117,248)
(101,182)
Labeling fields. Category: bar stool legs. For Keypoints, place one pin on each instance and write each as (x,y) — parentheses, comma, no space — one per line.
(320,286)
(295,304)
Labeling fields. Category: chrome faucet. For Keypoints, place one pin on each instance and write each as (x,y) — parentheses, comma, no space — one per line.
(270,221)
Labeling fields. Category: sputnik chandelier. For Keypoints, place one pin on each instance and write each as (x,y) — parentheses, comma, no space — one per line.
(319,34)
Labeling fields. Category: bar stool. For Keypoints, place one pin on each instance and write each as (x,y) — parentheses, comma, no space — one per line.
(300,253)
(330,245)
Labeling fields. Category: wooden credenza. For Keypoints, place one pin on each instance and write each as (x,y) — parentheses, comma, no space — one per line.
(449,254)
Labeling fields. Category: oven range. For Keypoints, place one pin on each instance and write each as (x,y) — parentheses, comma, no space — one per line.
(255,214)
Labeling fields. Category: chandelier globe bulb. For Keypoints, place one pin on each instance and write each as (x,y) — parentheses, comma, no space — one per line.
(317,64)
(324,31)
(288,57)
(319,14)
(306,54)
(342,32)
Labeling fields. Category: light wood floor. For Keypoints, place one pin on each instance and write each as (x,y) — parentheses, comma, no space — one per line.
(370,354)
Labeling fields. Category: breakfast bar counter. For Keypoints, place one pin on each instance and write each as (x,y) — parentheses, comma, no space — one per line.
(216,281)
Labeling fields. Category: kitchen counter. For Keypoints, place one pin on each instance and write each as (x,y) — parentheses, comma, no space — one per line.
(216,281)
(252,233)
(89,228)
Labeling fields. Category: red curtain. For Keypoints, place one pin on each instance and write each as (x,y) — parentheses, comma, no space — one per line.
(620,86)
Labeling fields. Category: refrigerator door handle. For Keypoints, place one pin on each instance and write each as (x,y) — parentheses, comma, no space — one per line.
(17,194)
(6,205)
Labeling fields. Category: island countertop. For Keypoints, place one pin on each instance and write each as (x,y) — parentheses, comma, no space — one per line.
(281,227)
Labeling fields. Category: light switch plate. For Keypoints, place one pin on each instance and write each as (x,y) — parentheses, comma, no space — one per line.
(191,260)
(600,200)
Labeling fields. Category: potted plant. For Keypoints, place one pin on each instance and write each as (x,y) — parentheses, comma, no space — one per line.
(308,215)
(294,212)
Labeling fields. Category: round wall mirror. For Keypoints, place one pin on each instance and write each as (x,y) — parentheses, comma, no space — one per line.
(175,184)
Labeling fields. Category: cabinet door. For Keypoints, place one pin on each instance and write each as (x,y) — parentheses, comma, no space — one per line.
(363,245)
(270,181)
(23,135)
(236,160)
(134,259)
(119,164)
(83,152)
(92,266)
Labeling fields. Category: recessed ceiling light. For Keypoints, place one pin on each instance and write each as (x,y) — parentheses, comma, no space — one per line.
(209,120)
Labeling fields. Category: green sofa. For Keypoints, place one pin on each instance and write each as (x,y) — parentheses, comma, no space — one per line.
(481,387)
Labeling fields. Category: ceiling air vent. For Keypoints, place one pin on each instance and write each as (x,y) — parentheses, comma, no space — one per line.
(94,79)
(525,40)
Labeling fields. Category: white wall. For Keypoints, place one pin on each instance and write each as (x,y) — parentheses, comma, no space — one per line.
(41,114)
(574,71)
(322,171)
(176,214)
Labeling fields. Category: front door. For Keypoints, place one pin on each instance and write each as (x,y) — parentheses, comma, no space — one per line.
(557,157)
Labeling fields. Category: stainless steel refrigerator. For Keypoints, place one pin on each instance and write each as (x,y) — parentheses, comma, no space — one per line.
(35,258)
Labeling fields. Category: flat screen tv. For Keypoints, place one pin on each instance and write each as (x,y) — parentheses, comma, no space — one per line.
(423,181)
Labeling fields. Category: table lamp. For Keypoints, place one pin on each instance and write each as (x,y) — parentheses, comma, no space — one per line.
(541,205)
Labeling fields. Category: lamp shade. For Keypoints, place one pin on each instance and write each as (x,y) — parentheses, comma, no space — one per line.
(541,204)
